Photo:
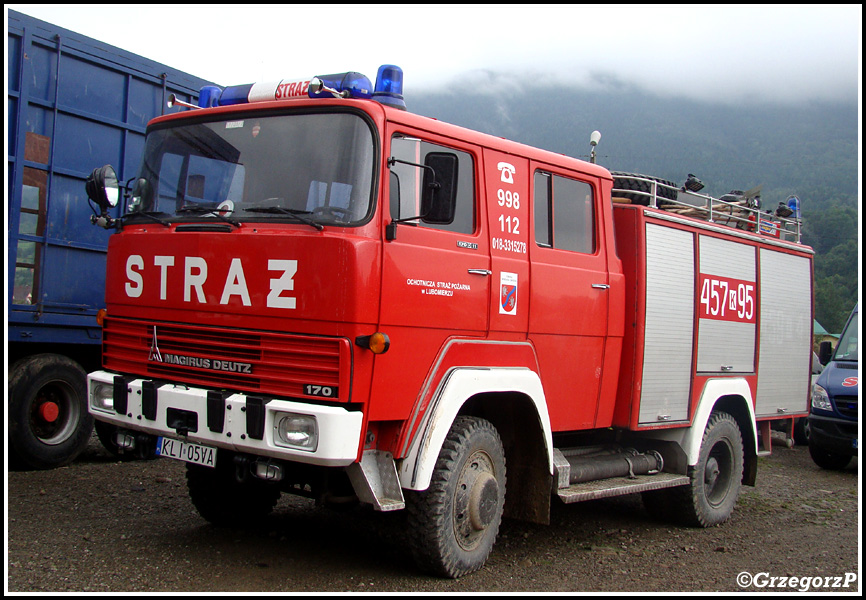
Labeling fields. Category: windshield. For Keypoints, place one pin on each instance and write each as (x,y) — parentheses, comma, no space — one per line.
(314,168)
(846,349)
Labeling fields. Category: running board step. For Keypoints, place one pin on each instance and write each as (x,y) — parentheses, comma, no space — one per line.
(619,486)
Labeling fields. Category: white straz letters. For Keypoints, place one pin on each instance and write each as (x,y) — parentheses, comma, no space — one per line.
(195,275)
(289,268)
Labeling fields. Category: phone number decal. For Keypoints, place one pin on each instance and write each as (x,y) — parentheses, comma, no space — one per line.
(506,245)
(725,299)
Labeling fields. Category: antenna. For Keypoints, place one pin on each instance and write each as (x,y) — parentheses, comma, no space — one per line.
(594,139)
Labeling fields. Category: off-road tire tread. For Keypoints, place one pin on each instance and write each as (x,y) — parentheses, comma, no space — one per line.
(686,501)
(427,511)
(622,183)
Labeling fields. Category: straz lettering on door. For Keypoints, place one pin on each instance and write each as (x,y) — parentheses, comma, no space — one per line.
(196,286)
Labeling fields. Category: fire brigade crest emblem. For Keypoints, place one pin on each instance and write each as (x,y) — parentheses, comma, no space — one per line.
(508,293)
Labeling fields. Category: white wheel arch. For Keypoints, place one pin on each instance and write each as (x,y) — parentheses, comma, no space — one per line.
(459,385)
(689,438)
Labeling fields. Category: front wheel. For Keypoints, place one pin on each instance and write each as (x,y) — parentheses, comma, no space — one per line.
(453,524)
(710,496)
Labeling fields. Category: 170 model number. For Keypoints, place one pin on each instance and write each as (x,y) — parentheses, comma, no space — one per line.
(509,245)
(323,391)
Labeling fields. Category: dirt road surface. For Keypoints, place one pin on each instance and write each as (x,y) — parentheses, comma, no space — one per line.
(106,526)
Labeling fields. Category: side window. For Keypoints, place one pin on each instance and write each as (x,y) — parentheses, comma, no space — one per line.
(564,213)
(406,180)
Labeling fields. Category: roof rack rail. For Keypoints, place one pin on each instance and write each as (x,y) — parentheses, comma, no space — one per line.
(738,209)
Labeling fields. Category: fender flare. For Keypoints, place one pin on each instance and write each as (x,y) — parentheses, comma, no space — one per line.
(460,384)
(689,438)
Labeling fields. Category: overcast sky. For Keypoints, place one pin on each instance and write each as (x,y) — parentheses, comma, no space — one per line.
(776,53)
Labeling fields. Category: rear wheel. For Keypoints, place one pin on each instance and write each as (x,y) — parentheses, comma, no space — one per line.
(710,497)
(49,424)
(454,523)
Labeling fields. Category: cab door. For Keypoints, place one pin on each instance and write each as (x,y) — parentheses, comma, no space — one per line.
(570,294)
(435,277)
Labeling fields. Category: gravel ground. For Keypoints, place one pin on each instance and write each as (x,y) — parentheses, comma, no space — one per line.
(106,526)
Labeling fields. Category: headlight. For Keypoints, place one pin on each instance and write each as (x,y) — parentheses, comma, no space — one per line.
(820,398)
(292,430)
(102,396)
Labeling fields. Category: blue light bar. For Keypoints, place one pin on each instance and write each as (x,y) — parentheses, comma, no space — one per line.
(388,90)
(235,94)
(389,86)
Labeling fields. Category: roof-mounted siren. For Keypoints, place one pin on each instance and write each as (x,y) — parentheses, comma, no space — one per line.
(209,96)
(341,85)
(389,86)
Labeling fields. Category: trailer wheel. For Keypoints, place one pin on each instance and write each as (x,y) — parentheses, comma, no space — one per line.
(715,480)
(226,500)
(49,424)
(454,523)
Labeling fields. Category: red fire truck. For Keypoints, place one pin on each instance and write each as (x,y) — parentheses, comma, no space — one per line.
(315,291)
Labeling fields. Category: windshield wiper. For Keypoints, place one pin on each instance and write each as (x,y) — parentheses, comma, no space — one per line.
(279,210)
(211,210)
(150,214)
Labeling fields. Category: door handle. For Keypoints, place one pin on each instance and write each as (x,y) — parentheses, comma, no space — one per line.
(481,271)
(601,286)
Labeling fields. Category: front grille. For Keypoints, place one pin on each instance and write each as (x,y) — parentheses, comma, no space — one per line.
(278,364)
(847,406)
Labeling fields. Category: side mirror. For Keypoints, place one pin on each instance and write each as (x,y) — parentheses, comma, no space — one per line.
(825,352)
(142,195)
(439,196)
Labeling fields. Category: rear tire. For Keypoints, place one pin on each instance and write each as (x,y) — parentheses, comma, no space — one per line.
(716,479)
(454,523)
(49,425)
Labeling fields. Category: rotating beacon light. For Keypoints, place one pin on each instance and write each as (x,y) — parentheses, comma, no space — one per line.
(389,87)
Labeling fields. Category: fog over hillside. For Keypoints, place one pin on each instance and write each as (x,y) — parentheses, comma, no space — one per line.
(808,148)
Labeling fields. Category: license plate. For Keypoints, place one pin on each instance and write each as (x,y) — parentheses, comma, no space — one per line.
(186,451)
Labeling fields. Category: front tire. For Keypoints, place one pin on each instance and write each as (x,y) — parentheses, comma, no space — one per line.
(830,461)
(716,479)
(454,523)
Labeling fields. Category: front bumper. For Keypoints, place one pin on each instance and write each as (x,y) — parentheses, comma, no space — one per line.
(238,422)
